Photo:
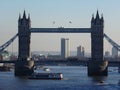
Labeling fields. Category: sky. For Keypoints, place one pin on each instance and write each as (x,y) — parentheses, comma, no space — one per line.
(44,12)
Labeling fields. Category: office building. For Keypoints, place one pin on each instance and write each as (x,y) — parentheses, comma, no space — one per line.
(80,52)
(64,48)
(114,52)
(107,54)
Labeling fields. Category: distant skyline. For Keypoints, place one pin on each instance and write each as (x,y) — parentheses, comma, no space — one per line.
(56,13)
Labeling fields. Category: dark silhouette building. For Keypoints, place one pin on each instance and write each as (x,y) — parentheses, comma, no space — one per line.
(97,65)
(24,64)
(97,25)
(24,25)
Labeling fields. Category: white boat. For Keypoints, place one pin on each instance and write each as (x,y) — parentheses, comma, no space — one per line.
(46,76)
(46,69)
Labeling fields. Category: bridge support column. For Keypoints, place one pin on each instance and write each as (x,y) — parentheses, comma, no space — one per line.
(24,67)
(97,68)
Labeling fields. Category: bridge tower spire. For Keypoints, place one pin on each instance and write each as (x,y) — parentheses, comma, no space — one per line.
(97,34)
(97,15)
(24,65)
(24,15)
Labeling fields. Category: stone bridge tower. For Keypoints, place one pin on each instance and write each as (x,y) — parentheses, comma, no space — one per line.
(97,65)
(97,26)
(24,26)
(24,65)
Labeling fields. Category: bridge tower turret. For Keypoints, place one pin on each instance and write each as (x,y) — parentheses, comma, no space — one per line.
(97,26)
(24,65)
(97,60)
(24,25)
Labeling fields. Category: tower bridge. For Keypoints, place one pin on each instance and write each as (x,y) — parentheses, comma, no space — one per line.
(96,66)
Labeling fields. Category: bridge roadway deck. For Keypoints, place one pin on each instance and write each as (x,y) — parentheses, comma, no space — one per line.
(65,62)
(60,30)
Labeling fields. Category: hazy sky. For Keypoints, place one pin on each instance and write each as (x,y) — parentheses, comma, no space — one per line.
(44,12)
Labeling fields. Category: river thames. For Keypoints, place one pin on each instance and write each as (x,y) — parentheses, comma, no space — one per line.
(75,78)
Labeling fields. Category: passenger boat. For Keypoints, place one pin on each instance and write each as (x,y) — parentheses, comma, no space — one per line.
(46,76)
(46,69)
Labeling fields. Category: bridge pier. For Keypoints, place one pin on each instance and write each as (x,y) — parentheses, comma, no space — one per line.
(97,68)
(24,67)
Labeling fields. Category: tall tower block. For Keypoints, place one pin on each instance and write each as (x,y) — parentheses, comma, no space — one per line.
(24,66)
(97,65)
(64,48)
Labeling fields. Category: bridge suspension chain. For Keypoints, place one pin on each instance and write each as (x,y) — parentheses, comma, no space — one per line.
(2,47)
(112,42)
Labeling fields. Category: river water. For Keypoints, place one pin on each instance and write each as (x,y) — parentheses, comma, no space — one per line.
(75,78)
